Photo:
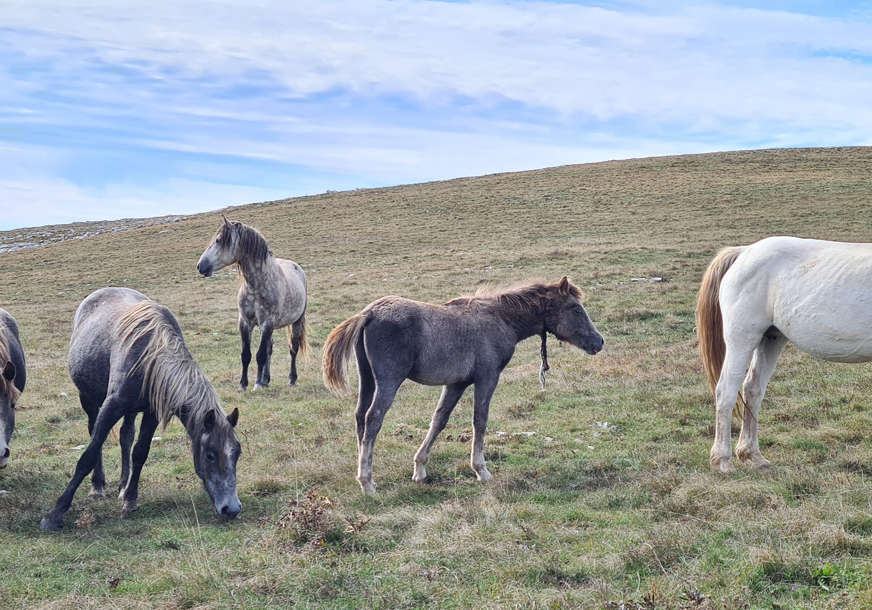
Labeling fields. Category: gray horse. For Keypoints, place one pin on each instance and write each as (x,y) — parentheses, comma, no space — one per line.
(272,295)
(13,376)
(467,341)
(127,356)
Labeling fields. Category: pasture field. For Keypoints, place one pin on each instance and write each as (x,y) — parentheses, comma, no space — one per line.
(602,495)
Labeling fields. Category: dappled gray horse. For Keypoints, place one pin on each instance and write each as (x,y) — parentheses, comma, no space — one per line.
(467,341)
(127,356)
(272,295)
(13,376)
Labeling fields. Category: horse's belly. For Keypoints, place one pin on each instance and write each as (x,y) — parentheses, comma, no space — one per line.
(849,342)
(444,372)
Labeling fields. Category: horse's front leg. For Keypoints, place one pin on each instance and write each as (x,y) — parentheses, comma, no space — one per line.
(245,336)
(484,390)
(263,355)
(754,389)
(140,454)
(110,412)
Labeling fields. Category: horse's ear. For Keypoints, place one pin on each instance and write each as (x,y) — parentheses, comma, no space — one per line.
(226,222)
(563,287)
(9,371)
(233,417)
(209,420)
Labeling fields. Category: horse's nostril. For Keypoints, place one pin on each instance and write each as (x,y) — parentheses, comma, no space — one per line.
(228,512)
(6,453)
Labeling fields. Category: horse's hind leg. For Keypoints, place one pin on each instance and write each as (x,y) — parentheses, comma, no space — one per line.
(450,395)
(264,352)
(296,332)
(366,391)
(738,354)
(484,390)
(108,416)
(125,439)
(98,477)
(245,336)
(384,396)
(753,390)
(140,454)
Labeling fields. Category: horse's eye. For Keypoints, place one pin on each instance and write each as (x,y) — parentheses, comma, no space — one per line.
(210,456)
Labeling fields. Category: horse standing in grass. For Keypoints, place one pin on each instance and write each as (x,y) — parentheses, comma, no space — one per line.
(13,376)
(127,356)
(467,341)
(272,295)
(754,299)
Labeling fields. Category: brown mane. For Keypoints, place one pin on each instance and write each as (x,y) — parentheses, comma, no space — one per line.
(170,376)
(529,298)
(6,387)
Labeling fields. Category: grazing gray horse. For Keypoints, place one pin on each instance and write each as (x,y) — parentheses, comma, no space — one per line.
(272,295)
(467,341)
(13,376)
(127,356)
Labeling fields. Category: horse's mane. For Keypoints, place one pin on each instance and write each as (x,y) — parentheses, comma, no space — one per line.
(250,243)
(172,379)
(530,297)
(7,387)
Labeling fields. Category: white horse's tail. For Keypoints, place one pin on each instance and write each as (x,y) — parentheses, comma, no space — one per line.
(710,323)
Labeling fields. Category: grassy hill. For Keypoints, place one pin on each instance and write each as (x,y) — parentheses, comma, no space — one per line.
(609,501)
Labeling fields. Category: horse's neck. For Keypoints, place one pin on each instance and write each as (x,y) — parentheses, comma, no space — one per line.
(524,323)
(256,273)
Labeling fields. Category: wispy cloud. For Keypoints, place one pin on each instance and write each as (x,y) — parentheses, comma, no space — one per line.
(292,96)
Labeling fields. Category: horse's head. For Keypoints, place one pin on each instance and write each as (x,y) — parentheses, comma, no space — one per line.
(567,320)
(215,451)
(222,250)
(8,395)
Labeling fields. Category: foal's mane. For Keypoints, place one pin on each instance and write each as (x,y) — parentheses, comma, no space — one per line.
(7,387)
(249,241)
(527,298)
(172,379)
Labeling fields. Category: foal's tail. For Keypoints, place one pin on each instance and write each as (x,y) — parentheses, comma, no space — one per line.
(337,352)
(709,322)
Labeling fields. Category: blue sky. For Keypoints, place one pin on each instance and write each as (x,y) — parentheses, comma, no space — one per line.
(114,109)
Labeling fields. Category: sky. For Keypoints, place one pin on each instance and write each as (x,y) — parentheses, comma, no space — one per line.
(112,109)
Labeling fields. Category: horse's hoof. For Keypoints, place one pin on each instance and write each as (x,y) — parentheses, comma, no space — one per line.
(723,465)
(420,474)
(49,525)
(760,463)
(368,488)
(127,508)
(241,388)
(260,386)
(292,382)
(96,493)
(483,475)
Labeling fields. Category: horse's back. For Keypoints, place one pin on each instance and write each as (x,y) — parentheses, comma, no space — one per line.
(817,293)
(438,344)
(94,336)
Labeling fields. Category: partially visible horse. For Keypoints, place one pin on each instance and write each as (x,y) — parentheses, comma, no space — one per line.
(754,299)
(272,295)
(127,356)
(467,341)
(13,376)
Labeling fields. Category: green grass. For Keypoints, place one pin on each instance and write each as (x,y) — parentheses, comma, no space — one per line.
(594,517)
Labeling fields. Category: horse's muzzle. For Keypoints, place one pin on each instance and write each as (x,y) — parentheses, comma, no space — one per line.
(205,268)
(595,346)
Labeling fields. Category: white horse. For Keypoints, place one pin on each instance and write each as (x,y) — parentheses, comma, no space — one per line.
(272,295)
(754,299)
